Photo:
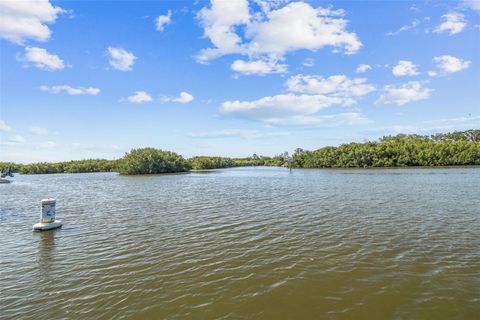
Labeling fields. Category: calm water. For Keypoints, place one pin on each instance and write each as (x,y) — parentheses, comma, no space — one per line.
(244,243)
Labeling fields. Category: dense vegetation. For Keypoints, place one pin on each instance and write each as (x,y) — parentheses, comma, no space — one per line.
(151,161)
(205,162)
(78,166)
(445,149)
(458,148)
(202,162)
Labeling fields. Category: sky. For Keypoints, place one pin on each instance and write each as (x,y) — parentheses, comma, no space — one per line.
(94,79)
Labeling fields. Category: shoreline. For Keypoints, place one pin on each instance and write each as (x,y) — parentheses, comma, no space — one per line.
(293,169)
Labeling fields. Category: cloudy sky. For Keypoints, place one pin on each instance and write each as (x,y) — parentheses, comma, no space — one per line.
(83,79)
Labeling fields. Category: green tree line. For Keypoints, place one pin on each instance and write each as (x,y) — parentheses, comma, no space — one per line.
(451,149)
(444,149)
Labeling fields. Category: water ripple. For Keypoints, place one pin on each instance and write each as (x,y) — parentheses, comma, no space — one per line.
(245,243)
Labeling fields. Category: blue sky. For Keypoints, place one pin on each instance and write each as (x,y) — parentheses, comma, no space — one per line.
(93,79)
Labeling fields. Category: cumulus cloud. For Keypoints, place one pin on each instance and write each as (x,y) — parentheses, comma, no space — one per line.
(405,93)
(121,59)
(22,20)
(42,59)
(259,67)
(337,85)
(308,95)
(270,34)
(219,23)
(454,22)
(71,90)
(162,21)
(314,29)
(183,98)
(4,127)
(139,97)
(404,68)
(450,64)
(363,68)
(278,106)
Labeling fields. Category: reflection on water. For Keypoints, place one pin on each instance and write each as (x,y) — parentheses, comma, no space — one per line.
(244,243)
(45,252)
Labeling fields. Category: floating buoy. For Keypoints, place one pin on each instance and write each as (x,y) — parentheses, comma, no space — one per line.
(47,216)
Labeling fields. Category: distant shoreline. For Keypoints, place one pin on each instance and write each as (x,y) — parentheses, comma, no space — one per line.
(446,150)
(303,169)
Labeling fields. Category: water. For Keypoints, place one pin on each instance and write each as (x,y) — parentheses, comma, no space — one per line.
(244,243)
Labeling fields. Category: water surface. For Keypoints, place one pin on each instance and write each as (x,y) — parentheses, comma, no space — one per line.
(244,243)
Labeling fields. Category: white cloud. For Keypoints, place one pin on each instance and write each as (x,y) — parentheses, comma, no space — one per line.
(258,67)
(337,85)
(42,59)
(450,64)
(281,105)
(139,97)
(164,20)
(309,94)
(405,93)
(17,139)
(472,4)
(237,133)
(412,25)
(454,22)
(404,68)
(285,110)
(219,23)
(4,127)
(49,145)
(39,131)
(309,62)
(121,59)
(71,90)
(363,68)
(450,123)
(183,98)
(321,121)
(22,20)
(431,126)
(300,26)
(270,34)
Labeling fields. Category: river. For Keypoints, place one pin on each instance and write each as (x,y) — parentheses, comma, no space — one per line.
(244,243)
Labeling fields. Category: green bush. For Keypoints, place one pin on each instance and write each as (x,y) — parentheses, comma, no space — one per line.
(202,162)
(151,161)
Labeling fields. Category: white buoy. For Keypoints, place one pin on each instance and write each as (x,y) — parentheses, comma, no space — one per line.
(47,216)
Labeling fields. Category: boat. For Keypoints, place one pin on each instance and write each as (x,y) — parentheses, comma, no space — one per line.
(6,172)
